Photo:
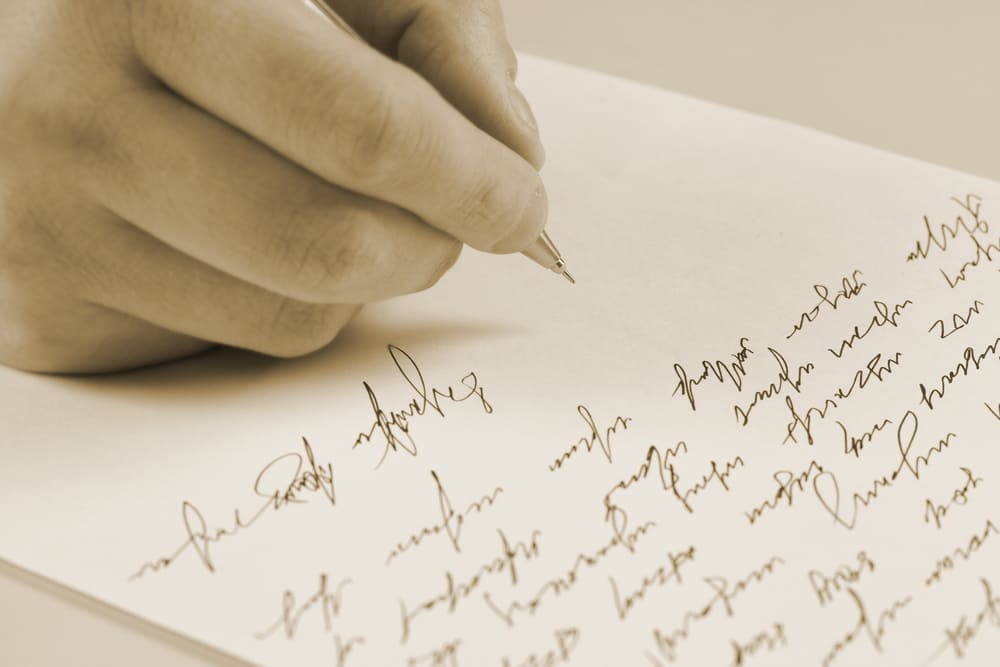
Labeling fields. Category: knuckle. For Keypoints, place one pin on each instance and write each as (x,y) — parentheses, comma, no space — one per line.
(425,48)
(374,138)
(369,148)
(299,328)
(326,252)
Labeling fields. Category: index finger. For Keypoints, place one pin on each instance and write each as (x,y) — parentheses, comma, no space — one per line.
(281,73)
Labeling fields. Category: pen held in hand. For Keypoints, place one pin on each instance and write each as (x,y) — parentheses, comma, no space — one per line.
(543,251)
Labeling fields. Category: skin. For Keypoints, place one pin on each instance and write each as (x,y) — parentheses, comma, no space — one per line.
(179,174)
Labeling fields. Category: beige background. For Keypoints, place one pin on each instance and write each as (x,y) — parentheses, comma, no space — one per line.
(912,76)
(916,77)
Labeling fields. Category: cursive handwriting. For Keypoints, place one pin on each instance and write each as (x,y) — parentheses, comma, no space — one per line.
(827,488)
(328,601)
(723,594)
(734,371)
(824,586)
(280,490)
(767,640)
(972,205)
(961,554)
(561,584)
(958,321)
(445,655)
(614,513)
(850,287)
(959,497)
(566,640)
(596,437)
(394,426)
(971,361)
(875,633)
(773,389)
(966,630)
(875,369)
(451,521)
(883,316)
(661,576)
(721,477)
(945,233)
(455,592)
(855,444)
(789,484)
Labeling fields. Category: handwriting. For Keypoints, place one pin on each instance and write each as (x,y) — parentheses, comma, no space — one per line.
(996,412)
(666,641)
(594,439)
(330,602)
(827,488)
(874,633)
(874,369)
(788,484)
(395,426)
(767,640)
(735,371)
(959,637)
(561,584)
(659,577)
(713,475)
(960,497)
(456,592)
(293,482)
(451,521)
(948,563)
(850,287)
(972,206)
(445,655)
(619,517)
(883,316)
(907,431)
(958,321)
(824,586)
(969,358)
(342,650)
(614,513)
(855,445)
(946,233)
(774,388)
(566,641)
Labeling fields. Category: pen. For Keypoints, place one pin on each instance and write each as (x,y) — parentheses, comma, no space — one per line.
(543,251)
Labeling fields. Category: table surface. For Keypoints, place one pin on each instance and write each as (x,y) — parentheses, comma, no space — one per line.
(911,76)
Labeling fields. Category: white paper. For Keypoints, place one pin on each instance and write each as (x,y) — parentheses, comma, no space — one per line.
(697,234)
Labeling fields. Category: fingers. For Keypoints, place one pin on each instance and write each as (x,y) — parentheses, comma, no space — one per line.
(343,111)
(132,273)
(461,48)
(216,195)
(76,338)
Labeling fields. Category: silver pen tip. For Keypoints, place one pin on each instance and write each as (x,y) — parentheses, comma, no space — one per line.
(569,277)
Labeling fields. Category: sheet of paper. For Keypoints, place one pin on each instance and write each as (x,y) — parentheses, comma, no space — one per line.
(761,429)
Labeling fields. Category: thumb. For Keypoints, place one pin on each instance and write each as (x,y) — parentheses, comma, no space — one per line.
(460,47)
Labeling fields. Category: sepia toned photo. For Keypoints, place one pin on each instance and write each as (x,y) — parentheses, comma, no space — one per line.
(500,333)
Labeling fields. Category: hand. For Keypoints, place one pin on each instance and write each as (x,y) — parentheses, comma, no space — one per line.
(180,173)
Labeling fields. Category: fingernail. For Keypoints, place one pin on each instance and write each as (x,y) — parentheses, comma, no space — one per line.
(521,107)
(530,226)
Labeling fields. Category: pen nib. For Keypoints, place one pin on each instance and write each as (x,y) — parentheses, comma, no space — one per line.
(569,277)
